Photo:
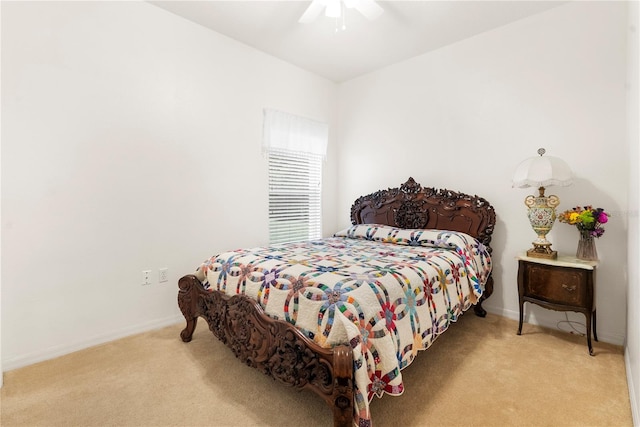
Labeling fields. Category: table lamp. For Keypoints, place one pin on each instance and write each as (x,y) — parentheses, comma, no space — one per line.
(540,172)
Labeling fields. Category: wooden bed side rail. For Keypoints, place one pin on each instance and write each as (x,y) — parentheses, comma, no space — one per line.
(274,347)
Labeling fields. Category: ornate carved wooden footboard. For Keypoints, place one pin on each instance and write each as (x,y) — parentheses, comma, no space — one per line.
(274,347)
(281,351)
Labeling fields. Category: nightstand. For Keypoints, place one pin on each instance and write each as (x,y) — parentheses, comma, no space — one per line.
(563,284)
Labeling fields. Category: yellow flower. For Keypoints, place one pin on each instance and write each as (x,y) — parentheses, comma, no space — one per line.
(573,217)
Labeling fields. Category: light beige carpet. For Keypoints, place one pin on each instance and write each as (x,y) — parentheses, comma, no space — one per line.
(479,373)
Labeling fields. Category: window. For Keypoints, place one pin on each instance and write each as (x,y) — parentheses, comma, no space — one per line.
(295,147)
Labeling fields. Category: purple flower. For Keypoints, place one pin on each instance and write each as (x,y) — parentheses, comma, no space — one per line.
(603,218)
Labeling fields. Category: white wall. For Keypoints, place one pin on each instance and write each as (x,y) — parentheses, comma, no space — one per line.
(464,116)
(131,141)
(632,350)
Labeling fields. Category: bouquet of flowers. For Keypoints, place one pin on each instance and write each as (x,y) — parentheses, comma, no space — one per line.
(587,219)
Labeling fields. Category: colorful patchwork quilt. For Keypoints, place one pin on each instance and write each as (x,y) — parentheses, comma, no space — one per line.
(388,292)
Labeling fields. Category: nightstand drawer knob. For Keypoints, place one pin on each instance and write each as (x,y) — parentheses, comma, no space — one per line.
(569,288)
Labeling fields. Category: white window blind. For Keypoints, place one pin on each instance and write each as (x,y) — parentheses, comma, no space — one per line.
(295,148)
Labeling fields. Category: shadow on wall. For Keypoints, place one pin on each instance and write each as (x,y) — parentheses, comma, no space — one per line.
(498,244)
(612,244)
(611,277)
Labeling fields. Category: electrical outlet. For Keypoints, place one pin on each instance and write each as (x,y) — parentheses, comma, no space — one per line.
(146,277)
(163,275)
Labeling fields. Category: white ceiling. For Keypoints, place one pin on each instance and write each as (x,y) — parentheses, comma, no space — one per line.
(405,29)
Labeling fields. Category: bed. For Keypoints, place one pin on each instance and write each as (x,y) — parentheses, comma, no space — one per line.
(342,316)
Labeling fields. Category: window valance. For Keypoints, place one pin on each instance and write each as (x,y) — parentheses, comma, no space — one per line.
(284,131)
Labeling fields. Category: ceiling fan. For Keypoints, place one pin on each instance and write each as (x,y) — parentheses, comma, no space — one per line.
(333,8)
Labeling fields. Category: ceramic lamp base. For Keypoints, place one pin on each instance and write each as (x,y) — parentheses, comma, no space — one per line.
(542,215)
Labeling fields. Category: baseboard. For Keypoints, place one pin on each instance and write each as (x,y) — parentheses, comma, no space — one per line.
(635,410)
(57,351)
(550,321)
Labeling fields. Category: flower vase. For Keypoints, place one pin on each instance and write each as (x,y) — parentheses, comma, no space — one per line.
(587,247)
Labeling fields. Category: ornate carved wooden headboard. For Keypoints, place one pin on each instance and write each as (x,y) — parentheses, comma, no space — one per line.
(414,206)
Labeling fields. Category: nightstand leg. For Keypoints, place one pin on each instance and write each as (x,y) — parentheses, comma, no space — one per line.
(521,314)
(595,335)
(589,320)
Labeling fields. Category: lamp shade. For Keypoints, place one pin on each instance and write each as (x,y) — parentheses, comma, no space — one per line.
(542,171)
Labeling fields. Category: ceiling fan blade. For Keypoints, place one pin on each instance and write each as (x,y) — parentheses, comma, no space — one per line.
(313,11)
(369,8)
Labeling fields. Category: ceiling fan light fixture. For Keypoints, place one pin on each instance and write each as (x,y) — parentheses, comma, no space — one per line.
(334,9)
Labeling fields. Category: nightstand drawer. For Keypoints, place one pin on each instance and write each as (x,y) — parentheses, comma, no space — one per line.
(558,285)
